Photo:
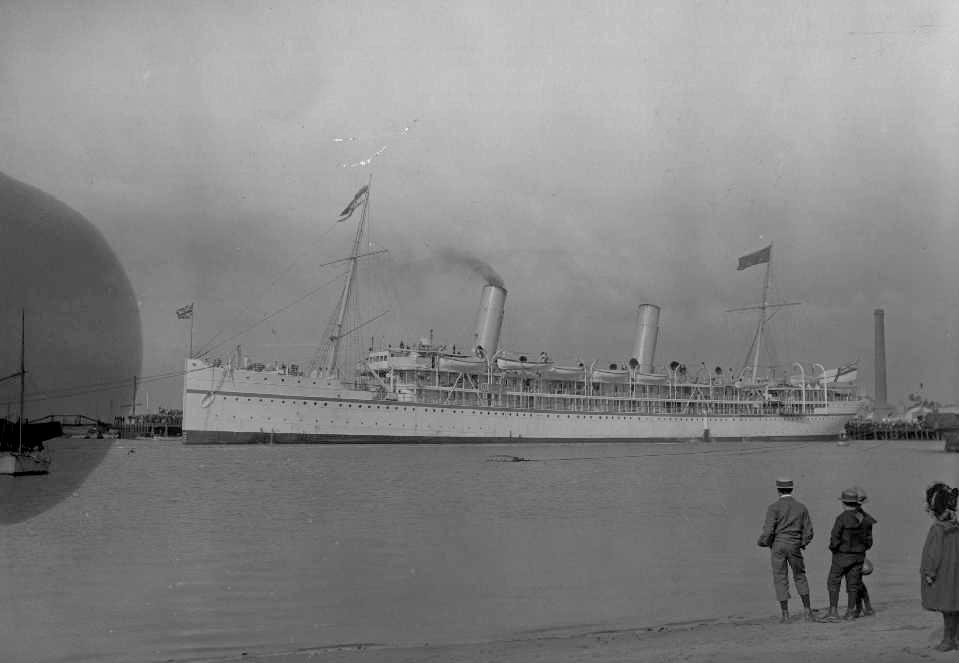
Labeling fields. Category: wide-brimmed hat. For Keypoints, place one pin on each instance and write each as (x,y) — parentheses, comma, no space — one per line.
(784,482)
(850,496)
(862,493)
(866,567)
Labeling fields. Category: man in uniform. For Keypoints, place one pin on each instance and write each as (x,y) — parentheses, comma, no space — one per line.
(787,530)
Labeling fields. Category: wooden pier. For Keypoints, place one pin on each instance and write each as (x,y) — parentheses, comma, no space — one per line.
(863,429)
(164,424)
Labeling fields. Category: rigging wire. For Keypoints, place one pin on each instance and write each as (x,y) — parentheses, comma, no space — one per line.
(204,347)
(210,348)
(274,314)
(98,387)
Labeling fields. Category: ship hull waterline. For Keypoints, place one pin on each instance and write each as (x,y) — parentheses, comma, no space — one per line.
(199,437)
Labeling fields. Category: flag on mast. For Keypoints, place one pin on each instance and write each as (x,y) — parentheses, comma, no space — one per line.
(843,375)
(356,202)
(185,312)
(848,372)
(756,258)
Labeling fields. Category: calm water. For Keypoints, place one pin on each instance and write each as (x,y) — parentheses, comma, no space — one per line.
(177,552)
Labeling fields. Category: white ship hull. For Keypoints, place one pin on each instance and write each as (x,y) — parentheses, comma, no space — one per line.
(224,406)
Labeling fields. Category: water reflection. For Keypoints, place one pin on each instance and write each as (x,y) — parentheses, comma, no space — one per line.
(26,496)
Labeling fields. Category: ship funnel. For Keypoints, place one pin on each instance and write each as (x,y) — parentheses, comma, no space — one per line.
(647,331)
(489,320)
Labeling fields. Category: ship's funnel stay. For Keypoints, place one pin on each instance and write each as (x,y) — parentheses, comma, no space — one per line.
(647,331)
(489,320)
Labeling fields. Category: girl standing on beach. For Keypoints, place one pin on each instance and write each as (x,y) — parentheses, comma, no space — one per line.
(940,562)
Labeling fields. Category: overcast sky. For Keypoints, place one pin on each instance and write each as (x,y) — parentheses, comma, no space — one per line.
(597,155)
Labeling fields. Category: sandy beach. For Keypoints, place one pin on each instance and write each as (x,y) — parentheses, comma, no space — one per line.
(899,631)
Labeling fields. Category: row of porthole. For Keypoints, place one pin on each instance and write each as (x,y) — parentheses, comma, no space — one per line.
(266,379)
(568,416)
(578,416)
(525,414)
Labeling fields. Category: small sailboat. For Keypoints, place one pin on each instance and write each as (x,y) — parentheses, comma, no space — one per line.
(21,444)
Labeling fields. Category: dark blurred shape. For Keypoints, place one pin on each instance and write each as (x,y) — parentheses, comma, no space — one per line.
(83,339)
(29,436)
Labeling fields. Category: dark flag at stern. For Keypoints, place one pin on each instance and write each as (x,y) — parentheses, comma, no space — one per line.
(756,258)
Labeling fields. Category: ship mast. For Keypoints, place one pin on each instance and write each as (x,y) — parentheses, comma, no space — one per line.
(23,374)
(762,314)
(763,308)
(347,287)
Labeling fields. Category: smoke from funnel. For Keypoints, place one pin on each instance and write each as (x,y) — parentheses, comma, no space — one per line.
(457,257)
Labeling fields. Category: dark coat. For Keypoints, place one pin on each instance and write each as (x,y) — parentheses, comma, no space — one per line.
(940,561)
(852,532)
(787,521)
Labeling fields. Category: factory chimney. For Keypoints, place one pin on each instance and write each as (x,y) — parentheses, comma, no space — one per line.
(880,361)
(647,331)
(489,320)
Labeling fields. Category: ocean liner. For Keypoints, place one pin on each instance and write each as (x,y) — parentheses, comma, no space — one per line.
(424,393)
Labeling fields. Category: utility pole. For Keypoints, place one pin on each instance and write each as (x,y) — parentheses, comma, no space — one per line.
(133,407)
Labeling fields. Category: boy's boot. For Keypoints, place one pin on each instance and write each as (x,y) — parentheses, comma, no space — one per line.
(867,610)
(833,614)
(851,606)
(807,608)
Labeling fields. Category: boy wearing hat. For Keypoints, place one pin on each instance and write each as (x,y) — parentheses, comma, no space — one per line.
(787,530)
(849,540)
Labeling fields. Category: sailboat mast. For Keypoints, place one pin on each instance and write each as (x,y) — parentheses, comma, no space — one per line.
(347,287)
(762,314)
(23,375)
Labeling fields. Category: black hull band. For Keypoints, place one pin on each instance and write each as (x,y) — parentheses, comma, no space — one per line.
(236,437)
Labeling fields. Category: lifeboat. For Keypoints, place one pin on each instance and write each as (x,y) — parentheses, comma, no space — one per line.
(565,373)
(521,364)
(609,375)
(408,362)
(648,378)
(622,376)
(462,364)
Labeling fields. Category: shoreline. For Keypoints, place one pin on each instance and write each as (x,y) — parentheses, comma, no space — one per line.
(899,631)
